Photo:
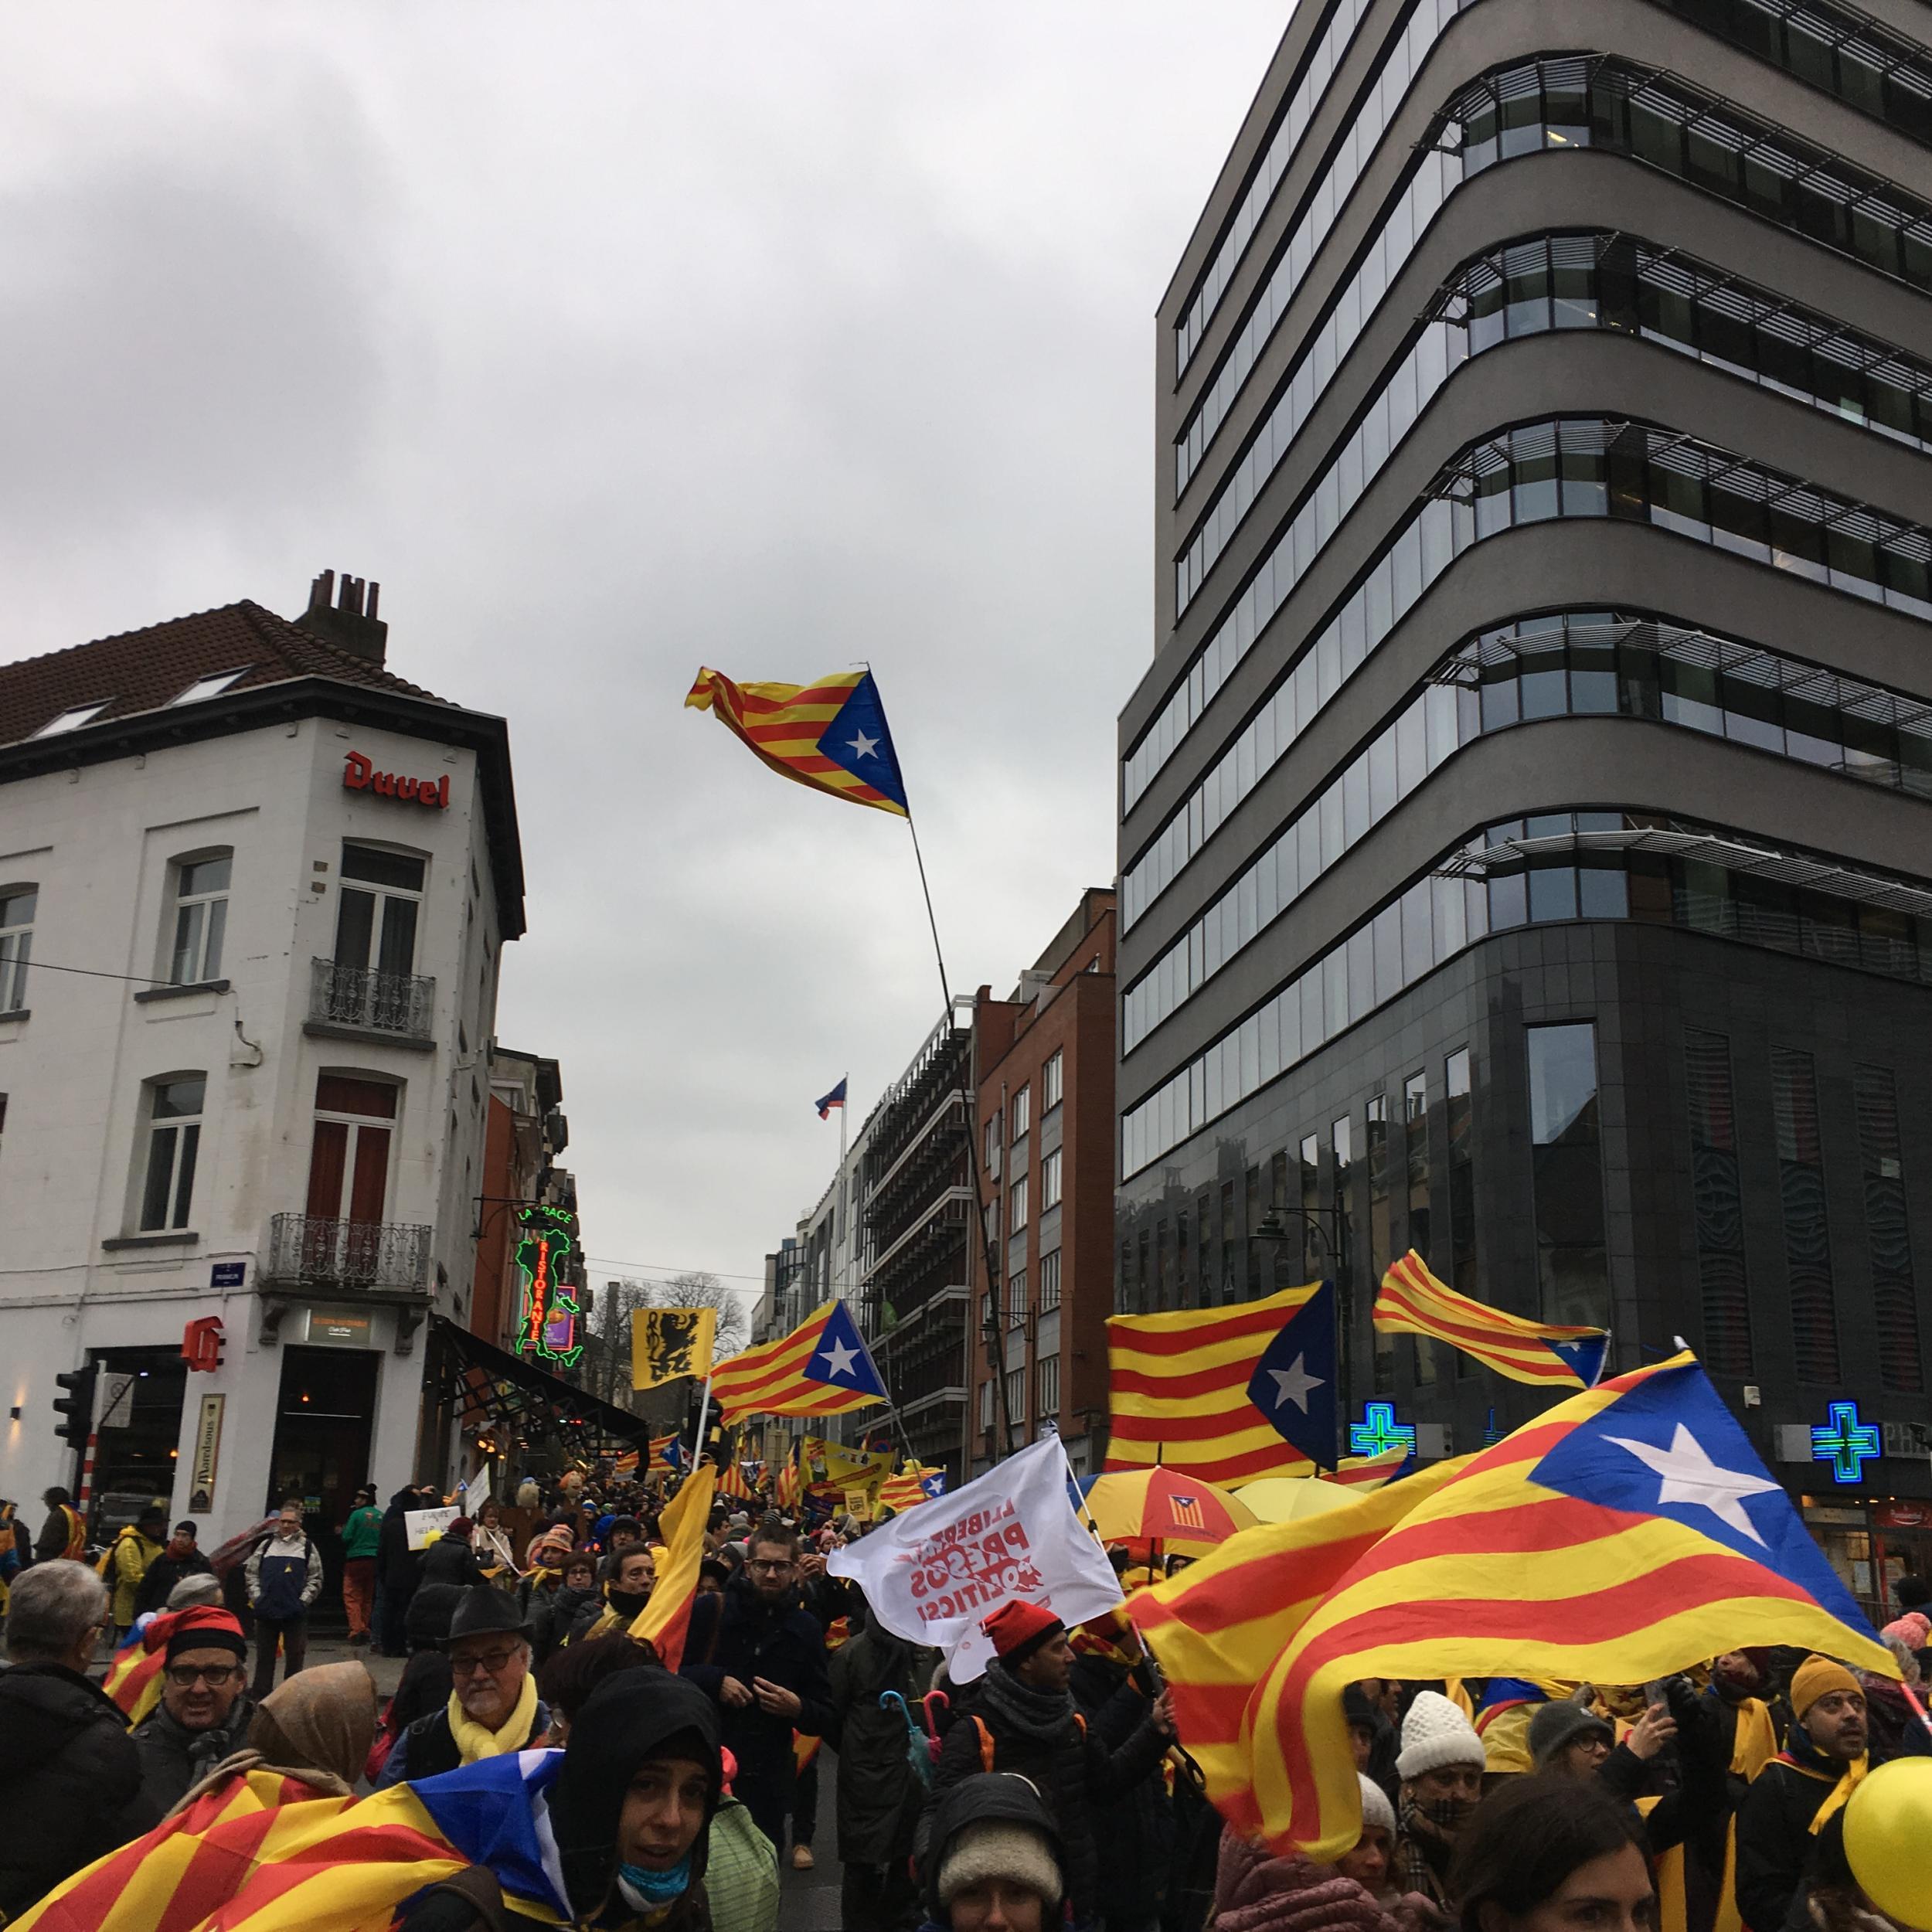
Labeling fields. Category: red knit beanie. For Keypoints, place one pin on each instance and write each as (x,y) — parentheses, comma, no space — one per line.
(1018,1628)
(204,1628)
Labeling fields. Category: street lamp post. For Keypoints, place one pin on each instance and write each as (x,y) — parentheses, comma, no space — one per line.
(1275,1231)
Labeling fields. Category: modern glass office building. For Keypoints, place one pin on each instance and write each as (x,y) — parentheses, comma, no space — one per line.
(1526,820)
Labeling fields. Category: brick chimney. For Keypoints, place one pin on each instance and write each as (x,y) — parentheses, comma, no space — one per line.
(350,619)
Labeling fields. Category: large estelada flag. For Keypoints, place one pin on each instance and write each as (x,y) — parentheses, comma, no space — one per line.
(1412,1301)
(1627,1534)
(822,1367)
(241,1859)
(1178,1389)
(831,735)
(915,1483)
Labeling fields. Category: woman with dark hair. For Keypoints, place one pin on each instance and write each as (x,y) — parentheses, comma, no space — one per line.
(1552,1854)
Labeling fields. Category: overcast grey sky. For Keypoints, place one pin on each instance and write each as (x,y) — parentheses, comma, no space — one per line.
(612,339)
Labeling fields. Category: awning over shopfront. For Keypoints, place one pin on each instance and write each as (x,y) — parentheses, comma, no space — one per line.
(488,1387)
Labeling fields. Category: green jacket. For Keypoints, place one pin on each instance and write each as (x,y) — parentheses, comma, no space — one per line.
(362,1535)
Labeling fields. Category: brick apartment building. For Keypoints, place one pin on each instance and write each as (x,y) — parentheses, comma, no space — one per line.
(1045,1061)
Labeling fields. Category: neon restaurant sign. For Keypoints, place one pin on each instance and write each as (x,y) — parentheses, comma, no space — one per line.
(547,1324)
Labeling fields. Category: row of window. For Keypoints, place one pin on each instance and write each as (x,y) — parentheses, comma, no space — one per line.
(1019,1109)
(1326,199)
(376,919)
(1576,468)
(1564,103)
(1577,663)
(1718,1208)
(75,716)
(1886,77)
(1323,58)
(1556,866)
(1046,1395)
(1520,111)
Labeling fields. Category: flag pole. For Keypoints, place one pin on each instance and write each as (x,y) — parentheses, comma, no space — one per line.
(704,1402)
(995,1281)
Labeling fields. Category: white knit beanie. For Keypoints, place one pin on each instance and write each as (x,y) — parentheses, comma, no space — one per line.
(1435,1734)
(999,1848)
(1375,1807)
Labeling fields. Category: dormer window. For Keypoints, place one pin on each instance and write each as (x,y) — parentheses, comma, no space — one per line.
(72,718)
(209,686)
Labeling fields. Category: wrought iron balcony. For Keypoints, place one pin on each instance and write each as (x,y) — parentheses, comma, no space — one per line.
(367,1258)
(398,1003)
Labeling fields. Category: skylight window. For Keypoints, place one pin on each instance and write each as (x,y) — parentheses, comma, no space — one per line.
(207,687)
(72,718)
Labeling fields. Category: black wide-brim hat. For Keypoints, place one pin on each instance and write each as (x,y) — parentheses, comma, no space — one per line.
(484,1612)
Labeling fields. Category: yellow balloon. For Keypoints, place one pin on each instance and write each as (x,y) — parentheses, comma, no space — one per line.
(1888,1826)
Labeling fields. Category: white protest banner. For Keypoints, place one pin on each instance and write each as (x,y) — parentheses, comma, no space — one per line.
(931,1574)
(425,1525)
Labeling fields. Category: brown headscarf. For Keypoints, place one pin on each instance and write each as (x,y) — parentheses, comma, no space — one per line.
(316,1726)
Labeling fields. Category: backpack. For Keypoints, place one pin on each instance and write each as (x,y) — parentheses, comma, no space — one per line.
(104,1563)
(986,1739)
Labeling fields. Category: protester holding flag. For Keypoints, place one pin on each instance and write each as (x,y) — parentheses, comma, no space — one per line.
(761,1657)
(1024,1720)
(1823,1760)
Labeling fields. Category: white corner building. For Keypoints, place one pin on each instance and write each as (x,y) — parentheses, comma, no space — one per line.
(254,889)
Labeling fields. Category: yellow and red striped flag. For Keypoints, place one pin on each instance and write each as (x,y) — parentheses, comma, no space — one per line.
(790,1485)
(1626,1534)
(831,735)
(665,1620)
(1178,1388)
(915,1483)
(1363,1473)
(822,1367)
(1413,1302)
(626,1464)
(731,1482)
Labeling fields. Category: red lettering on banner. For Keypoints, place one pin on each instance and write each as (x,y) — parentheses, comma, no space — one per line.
(360,774)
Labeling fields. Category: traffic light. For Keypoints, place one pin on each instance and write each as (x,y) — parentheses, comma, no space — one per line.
(76,1408)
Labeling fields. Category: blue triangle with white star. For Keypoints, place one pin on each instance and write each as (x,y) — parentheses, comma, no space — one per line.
(859,740)
(1586,1356)
(839,1357)
(1669,1448)
(1294,1383)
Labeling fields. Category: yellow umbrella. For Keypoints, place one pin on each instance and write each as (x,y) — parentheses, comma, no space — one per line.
(1289,1498)
(1163,1506)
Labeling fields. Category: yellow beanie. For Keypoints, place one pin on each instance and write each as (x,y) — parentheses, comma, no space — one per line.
(1815,1678)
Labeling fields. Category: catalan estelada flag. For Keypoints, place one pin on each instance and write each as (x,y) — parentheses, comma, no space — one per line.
(830,735)
(626,1464)
(822,1367)
(1364,1473)
(1178,1388)
(664,1621)
(1413,1302)
(1627,1534)
(239,1859)
(915,1483)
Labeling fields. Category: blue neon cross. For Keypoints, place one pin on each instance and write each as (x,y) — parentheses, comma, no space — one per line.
(1846,1443)
(1379,1431)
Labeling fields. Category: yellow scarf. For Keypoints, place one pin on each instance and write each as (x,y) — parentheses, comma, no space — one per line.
(475,1741)
(1834,1800)
(1754,1743)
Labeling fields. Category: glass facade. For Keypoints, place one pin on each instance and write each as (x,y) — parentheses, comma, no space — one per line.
(1558,865)
(1807,1241)
(1717,1204)
(1610,664)
(1460,1118)
(1561,103)
(1887,1232)
(1567,1174)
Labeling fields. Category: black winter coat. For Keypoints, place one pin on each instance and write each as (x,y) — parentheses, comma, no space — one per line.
(879,1794)
(736,1634)
(399,1567)
(1074,1770)
(450,1560)
(174,1758)
(1775,1843)
(163,1574)
(1133,1838)
(69,1780)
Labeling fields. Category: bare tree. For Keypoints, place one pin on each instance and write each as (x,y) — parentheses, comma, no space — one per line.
(695,1291)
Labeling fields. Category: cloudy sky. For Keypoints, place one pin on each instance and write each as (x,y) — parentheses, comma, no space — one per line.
(611,339)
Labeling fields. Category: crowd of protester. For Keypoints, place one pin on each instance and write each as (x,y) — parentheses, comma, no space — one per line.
(1051,1791)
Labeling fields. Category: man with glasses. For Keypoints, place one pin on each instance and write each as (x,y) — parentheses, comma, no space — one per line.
(204,1711)
(493,1708)
(757,1652)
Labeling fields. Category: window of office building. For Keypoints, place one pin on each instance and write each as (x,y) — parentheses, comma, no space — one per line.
(1016,1395)
(986,1403)
(173,1108)
(1050,1180)
(1203,1253)
(1717,1204)
(1022,1111)
(17,905)
(1894,1305)
(200,918)
(1047,1375)
(1415,1129)
(1229,1233)
(1052,1082)
(1459,1113)
(1567,1174)
(1317,1261)
(1016,1206)
(1380,1230)
(1016,1300)
(1341,1151)
(1807,1244)
(1183,1254)
(1050,1281)
(996,1141)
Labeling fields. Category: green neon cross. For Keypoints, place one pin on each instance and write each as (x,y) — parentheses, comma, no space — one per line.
(1846,1443)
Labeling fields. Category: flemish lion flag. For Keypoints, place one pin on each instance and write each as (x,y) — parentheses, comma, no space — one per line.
(666,1343)
(831,735)
(1413,1302)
